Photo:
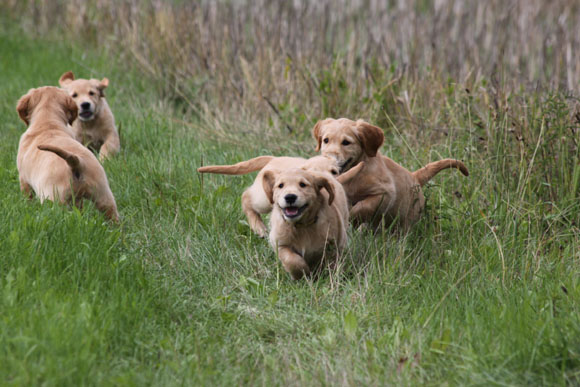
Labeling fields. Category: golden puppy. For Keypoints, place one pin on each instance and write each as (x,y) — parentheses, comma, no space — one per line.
(254,199)
(305,218)
(50,161)
(95,126)
(382,188)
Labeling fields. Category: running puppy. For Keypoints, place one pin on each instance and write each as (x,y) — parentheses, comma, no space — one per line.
(95,126)
(310,213)
(50,161)
(382,188)
(254,199)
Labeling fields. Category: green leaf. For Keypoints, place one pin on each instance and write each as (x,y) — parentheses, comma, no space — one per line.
(228,317)
(441,344)
(370,347)
(273,298)
(350,324)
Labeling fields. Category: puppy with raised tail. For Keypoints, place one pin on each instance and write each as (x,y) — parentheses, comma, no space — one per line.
(310,214)
(383,189)
(95,125)
(254,200)
(51,163)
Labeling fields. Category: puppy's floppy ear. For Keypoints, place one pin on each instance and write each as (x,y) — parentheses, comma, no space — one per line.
(102,86)
(317,132)
(71,109)
(268,185)
(370,136)
(24,108)
(322,182)
(66,78)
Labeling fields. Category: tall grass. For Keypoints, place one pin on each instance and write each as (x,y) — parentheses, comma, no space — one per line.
(294,62)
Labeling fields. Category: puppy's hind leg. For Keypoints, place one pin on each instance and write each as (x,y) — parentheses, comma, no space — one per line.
(254,219)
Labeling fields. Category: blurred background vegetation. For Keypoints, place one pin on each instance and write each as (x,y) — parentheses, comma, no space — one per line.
(293,62)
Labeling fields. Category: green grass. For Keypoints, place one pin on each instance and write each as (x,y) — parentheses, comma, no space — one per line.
(484,290)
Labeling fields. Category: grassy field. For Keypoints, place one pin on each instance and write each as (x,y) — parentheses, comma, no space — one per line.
(484,290)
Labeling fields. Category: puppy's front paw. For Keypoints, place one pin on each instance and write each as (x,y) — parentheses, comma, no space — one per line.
(297,269)
(298,274)
(262,233)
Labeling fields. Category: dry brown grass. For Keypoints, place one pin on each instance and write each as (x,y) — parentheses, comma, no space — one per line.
(293,62)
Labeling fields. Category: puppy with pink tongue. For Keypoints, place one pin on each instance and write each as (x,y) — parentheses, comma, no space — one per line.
(309,215)
(95,125)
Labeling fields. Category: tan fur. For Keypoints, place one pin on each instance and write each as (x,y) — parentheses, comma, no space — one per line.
(98,130)
(240,168)
(383,188)
(303,240)
(254,200)
(51,163)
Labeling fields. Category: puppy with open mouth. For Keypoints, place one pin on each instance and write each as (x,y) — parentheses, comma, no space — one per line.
(383,189)
(254,201)
(95,125)
(309,215)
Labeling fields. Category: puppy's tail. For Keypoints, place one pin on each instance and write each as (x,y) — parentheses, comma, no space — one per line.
(73,161)
(426,173)
(240,168)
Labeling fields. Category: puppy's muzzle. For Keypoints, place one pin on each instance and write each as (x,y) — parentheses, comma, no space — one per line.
(345,165)
(290,198)
(86,111)
(290,209)
(292,213)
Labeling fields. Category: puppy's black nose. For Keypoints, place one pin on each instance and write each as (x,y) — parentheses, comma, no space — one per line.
(85,105)
(290,198)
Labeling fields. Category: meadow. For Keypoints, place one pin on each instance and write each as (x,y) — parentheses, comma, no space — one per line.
(484,290)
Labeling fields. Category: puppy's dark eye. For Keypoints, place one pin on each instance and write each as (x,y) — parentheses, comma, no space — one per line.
(326,140)
(75,95)
(91,93)
(281,185)
(334,172)
(302,185)
(345,142)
